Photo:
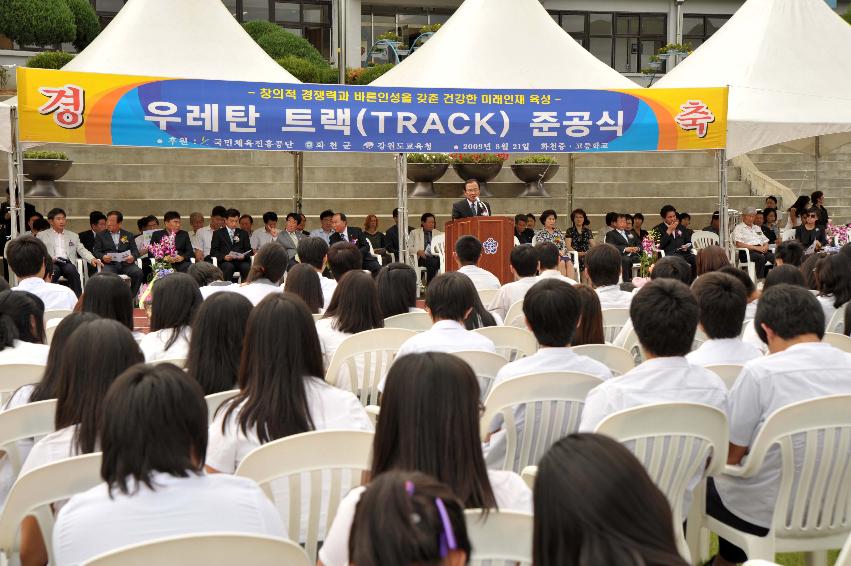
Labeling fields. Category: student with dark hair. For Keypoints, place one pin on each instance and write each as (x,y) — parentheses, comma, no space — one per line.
(153,471)
(342,258)
(108,296)
(785,273)
(672,267)
(182,242)
(430,408)
(267,233)
(408,518)
(675,239)
(627,245)
(524,267)
(468,251)
(800,367)
(523,234)
(397,289)
(302,281)
(326,220)
(175,300)
(833,278)
(216,344)
(608,510)
(29,261)
(22,328)
(112,244)
(711,258)
(721,303)
(822,216)
(354,308)
(603,270)
(790,252)
(208,277)
(750,288)
(552,309)
(266,273)
(314,252)
(664,314)
(552,266)
(590,328)
(345,233)
(231,246)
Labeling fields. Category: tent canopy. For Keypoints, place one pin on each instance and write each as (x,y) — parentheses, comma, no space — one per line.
(503,44)
(786,63)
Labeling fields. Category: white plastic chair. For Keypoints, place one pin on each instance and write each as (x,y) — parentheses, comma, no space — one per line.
(13,376)
(838,341)
(213,549)
(699,338)
(35,491)
(729,373)
(511,342)
(749,265)
(216,400)
(179,362)
(529,475)
(701,239)
(487,296)
(416,321)
(616,359)
(438,248)
(32,420)
(50,329)
(811,510)
(514,316)
(629,342)
(673,441)
(550,406)
(56,314)
(366,358)
(836,323)
(331,451)
(613,321)
(372,253)
(485,365)
(317,316)
(503,536)
(844,558)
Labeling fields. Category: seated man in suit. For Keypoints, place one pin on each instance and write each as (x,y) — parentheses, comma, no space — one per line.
(231,246)
(470,205)
(627,244)
(97,222)
(115,240)
(674,238)
(419,244)
(64,247)
(290,237)
(182,242)
(344,233)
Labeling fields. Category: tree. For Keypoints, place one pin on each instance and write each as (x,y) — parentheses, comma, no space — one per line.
(278,43)
(86,22)
(37,22)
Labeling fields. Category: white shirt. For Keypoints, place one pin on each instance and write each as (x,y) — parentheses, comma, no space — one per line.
(509,294)
(93,522)
(509,490)
(261,237)
(255,291)
(545,359)
(329,338)
(205,238)
(208,290)
(723,351)
(195,239)
(59,244)
(328,288)
(153,345)
(25,353)
(799,373)
(54,296)
(750,235)
(555,274)
(481,278)
(658,380)
(827,302)
(611,297)
(52,448)
(320,233)
(750,309)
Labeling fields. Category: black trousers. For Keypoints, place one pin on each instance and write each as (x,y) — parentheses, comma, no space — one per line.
(230,267)
(691,259)
(715,508)
(68,270)
(131,270)
(760,259)
(432,265)
(626,265)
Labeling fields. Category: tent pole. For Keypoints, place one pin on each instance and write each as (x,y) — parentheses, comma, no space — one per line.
(13,192)
(16,188)
(298,180)
(402,203)
(721,157)
(818,155)
(571,179)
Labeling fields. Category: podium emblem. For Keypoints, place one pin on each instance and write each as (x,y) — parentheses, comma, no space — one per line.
(490,246)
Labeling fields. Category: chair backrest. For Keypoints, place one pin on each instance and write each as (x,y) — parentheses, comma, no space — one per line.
(529,475)
(729,373)
(416,321)
(511,342)
(13,376)
(32,420)
(845,554)
(215,400)
(485,364)
(631,344)
(503,536)
(338,453)
(515,316)
(616,359)
(56,314)
(699,338)
(745,325)
(551,406)
(701,239)
(50,329)
(319,315)
(438,248)
(487,295)
(362,360)
(613,321)
(213,549)
(837,321)
(838,341)
(36,490)
(179,362)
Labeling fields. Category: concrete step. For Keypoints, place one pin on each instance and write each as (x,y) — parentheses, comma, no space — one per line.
(597,174)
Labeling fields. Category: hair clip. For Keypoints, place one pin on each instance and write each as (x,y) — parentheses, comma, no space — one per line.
(409,487)
(447,535)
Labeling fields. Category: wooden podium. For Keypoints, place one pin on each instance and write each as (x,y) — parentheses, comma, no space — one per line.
(497,236)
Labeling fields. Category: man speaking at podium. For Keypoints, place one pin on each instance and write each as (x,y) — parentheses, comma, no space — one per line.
(471,205)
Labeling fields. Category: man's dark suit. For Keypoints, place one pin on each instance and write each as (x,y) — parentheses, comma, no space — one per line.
(87,239)
(104,244)
(463,209)
(621,243)
(182,243)
(222,245)
(356,237)
(671,244)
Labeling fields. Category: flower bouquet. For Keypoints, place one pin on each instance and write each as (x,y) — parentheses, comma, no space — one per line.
(161,254)
(839,235)
(649,249)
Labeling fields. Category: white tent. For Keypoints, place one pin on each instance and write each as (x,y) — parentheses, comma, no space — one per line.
(786,63)
(503,44)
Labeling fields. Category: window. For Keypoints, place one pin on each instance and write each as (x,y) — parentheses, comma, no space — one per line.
(255,10)
(108,6)
(407,23)
(697,29)
(287,12)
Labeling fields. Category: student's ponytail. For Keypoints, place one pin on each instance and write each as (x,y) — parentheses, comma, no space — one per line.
(21,318)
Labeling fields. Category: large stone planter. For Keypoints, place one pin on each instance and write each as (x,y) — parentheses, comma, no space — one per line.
(482,172)
(534,175)
(424,175)
(43,173)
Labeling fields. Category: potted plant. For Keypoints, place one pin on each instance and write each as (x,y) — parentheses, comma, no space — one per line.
(43,168)
(479,166)
(535,170)
(424,169)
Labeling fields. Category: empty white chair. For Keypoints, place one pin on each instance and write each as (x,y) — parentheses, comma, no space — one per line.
(35,491)
(838,341)
(514,316)
(438,248)
(216,400)
(487,296)
(13,376)
(214,549)
(613,321)
(56,314)
(747,264)
(837,321)
(366,356)
(616,359)
(179,362)
(328,458)
(537,409)
(511,342)
(416,321)
(32,420)
(529,475)
(728,373)
(504,536)
(702,239)
(485,365)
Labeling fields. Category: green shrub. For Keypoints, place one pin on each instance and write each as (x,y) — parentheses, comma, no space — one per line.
(277,42)
(847,15)
(308,71)
(429,158)
(536,160)
(44,155)
(37,22)
(49,60)
(369,74)
(477,158)
(86,21)
(257,28)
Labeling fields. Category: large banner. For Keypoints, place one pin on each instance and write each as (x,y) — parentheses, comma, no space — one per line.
(89,108)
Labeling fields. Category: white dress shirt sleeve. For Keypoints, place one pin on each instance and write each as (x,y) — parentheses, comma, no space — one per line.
(745,410)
